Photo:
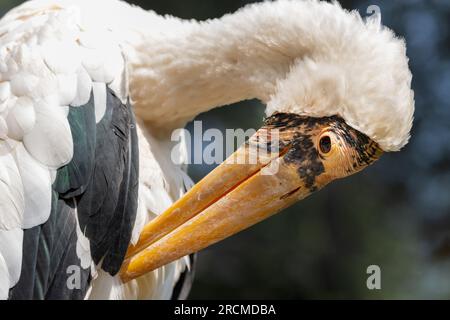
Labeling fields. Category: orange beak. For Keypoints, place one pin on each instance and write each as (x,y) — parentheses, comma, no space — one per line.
(251,185)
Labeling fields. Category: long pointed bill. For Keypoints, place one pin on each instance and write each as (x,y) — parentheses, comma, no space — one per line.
(251,185)
(266,175)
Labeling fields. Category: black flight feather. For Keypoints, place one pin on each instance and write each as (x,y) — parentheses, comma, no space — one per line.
(107,209)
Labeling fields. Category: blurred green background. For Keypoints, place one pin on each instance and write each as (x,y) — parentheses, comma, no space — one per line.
(396,214)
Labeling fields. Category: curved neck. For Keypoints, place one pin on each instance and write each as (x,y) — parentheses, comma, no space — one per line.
(180,69)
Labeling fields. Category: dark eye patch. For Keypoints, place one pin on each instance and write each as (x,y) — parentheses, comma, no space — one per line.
(325,144)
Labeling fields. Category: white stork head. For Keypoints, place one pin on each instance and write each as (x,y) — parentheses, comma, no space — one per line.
(338,95)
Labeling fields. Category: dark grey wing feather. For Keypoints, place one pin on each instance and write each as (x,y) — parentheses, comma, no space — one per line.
(107,210)
(125,213)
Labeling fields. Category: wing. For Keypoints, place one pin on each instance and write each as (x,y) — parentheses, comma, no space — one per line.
(68,153)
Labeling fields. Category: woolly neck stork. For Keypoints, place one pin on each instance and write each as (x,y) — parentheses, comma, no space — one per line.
(84,184)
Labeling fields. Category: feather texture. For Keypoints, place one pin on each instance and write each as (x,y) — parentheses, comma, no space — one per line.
(50,141)
(11,194)
(72,180)
(107,209)
(11,256)
(36,181)
(98,188)
(49,250)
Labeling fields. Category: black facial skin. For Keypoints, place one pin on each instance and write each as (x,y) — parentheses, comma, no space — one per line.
(299,133)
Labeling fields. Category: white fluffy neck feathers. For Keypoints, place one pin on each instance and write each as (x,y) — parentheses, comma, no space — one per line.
(306,57)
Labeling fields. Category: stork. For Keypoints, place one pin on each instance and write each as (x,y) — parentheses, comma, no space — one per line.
(91,91)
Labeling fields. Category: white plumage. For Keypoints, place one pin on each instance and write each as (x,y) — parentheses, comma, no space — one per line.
(12,195)
(36,181)
(11,257)
(306,57)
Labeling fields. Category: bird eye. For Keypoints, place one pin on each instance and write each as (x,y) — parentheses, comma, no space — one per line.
(325,144)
